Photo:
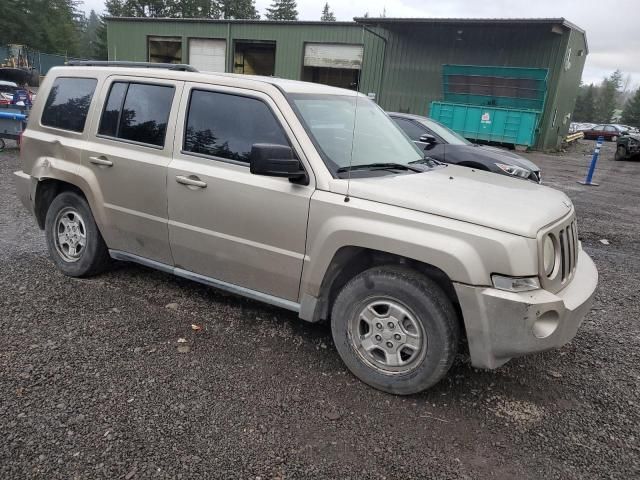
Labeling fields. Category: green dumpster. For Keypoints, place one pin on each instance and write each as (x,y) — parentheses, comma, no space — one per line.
(493,104)
(490,124)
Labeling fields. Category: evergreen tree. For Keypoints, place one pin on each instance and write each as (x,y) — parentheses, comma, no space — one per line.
(100,48)
(631,113)
(606,104)
(238,9)
(89,35)
(585,105)
(282,10)
(45,25)
(327,14)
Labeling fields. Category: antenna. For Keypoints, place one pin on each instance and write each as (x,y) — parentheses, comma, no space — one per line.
(355,119)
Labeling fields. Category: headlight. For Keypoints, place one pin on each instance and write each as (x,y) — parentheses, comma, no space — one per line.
(515,284)
(548,255)
(513,170)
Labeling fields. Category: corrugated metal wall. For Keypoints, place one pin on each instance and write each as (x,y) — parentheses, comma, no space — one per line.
(127,40)
(566,90)
(406,75)
(412,75)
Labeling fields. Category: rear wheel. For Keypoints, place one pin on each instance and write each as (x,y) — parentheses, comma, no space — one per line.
(621,153)
(395,329)
(73,239)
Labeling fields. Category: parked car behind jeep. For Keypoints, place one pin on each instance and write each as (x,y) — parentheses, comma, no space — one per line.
(445,145)
(309,198)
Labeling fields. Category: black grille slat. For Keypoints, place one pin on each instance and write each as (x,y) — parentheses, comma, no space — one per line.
(576,243)
(563,263)
(566,236)
(569,237)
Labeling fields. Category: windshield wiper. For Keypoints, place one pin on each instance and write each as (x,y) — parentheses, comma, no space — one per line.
(430,162)
(379,166)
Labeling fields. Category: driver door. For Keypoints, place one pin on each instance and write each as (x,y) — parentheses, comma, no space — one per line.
(225,223)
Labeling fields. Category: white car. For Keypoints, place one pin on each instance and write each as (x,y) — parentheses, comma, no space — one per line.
(7,89)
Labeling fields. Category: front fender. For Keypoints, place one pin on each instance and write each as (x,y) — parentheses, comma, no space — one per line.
(467,253)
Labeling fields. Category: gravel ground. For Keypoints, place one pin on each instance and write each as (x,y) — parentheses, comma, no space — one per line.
(93,383)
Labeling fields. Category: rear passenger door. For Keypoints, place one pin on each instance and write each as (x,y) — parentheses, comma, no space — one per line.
(127,160)
(224,222)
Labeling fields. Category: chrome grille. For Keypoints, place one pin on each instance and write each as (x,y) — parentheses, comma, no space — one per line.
(565,238)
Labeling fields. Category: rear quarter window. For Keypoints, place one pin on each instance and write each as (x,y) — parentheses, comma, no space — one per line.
(68,103)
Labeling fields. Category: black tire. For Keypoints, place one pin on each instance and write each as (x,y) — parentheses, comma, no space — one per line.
(2,144)
(89,259)
(621,153)
(420,297)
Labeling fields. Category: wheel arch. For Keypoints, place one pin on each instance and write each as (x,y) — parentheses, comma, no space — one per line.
(46,190)
(349,261)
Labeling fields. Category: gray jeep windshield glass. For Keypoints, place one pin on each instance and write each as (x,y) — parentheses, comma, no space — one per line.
(335,126)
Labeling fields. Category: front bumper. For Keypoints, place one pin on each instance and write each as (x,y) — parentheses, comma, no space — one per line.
(501,325)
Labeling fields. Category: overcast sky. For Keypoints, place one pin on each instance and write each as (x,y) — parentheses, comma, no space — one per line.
(613,29)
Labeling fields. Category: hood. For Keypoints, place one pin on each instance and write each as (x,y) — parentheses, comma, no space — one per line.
(479,197)
(499,155)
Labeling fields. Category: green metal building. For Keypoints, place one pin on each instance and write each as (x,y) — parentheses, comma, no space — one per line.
(401,63)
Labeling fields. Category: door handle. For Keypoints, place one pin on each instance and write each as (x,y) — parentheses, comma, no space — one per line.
(191,181)
(102,161)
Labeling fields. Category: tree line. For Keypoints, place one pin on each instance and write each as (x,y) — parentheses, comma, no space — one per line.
(603,103)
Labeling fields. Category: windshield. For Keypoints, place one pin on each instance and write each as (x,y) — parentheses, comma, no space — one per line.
(446,134)
(332,122)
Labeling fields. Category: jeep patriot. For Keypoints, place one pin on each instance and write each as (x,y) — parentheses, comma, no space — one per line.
(307,197)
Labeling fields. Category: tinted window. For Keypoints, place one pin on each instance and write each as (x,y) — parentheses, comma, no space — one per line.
(143,115)
(412,130)
(111,113)
(68,103)
(610,129)
(226,126)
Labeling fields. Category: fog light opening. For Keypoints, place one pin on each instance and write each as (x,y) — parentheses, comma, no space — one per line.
(546,324)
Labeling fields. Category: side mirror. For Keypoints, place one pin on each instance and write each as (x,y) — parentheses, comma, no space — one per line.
(276,161)
(429,139)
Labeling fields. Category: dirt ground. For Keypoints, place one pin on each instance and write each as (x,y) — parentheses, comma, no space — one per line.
(92,384)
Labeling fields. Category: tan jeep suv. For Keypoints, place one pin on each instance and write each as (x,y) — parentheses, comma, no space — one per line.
(310,198)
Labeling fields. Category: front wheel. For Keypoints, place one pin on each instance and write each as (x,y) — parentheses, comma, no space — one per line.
(73,239)
(395,329)
(621,153)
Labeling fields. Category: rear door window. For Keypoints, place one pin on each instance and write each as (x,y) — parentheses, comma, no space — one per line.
(137,112)
(226,126)
(68,103)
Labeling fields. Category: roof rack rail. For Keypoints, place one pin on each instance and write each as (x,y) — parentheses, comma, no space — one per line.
(182,67)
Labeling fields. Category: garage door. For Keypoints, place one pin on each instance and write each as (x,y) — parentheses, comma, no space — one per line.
(333,56)
(207,55)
